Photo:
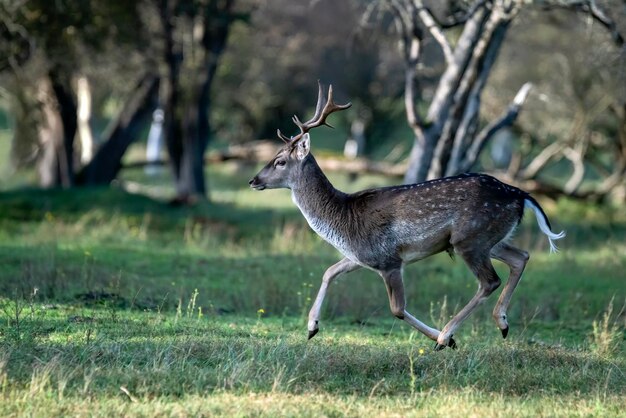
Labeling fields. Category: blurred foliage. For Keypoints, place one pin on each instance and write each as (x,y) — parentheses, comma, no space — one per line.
(94,38)
(269,72)
(579,81)
(275,55)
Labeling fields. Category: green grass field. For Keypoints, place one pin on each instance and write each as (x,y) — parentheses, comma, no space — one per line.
(116,304)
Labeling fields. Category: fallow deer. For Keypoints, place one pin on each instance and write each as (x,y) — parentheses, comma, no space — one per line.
(383,229)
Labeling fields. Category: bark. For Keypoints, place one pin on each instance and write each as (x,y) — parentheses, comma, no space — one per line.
(123,131)
(187,127)
(507,119)
(50,132)
(260,151)
(257,152)
(57,129)
(83,93)
(451,77)
(466,130)
(431,128)
(472,83)
(411,40)
(448,140)
(169,93)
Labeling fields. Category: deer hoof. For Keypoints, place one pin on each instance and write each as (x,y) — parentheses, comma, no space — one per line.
(505,332)
(452,343)
(312,333)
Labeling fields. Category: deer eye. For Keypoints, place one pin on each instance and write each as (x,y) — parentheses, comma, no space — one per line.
(280,163)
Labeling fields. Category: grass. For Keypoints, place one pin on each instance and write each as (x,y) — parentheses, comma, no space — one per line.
(117,304)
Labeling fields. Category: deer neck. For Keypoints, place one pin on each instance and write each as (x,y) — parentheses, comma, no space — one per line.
(321,204)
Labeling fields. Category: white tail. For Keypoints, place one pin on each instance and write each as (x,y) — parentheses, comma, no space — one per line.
(542,220)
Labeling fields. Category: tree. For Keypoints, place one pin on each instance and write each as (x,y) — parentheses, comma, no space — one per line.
(570,135)
(50,45)
(22,31)
(194,35)
(186,39)
(123,131)
(179,43)
(448,136)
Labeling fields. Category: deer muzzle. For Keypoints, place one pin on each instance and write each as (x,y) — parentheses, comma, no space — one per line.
(255,184)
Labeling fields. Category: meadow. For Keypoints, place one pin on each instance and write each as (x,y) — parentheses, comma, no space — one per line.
(118,304)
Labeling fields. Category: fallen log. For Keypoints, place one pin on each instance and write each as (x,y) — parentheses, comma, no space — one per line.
(263,151)
(256,152)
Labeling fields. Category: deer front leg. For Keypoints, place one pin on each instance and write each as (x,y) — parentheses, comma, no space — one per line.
(344,266)
(397,303)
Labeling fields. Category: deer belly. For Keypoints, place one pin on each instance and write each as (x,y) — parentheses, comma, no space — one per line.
(417,243)
(410,255)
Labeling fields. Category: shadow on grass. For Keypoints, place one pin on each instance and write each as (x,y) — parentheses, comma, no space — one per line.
(151,278)
(162,277)
(588,227)
(33,205)
(162,356)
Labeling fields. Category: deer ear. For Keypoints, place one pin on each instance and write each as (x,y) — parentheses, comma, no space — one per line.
(303,146)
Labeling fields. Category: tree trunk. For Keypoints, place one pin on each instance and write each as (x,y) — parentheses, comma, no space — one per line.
(464,112)
(57,129)
(83,94)
(105,165)
(169,92)
(50,132)
(187,127)
(448,141)
(190,182)
(425,142)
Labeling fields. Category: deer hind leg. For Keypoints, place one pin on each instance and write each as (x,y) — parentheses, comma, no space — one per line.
(397,303)
(488,281)
(516,259)
(344,266)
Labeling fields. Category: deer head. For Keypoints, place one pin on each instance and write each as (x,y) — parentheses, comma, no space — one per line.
(283,170)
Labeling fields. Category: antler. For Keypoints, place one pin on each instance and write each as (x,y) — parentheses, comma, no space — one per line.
(322,110)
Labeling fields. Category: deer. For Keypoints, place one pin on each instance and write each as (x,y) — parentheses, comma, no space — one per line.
(471,215)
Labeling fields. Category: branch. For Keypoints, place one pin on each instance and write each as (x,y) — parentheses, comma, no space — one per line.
(261,151)
(410,85)
(121,132)
(535,186)
(461,18)
(435,30)
(541,160)
(488,131)
(399,14)
(450,79)
(577,158)
(367,14)
(581,154)
(608,23)
(411,38)
(482,57)
(465,133)
(591,8)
